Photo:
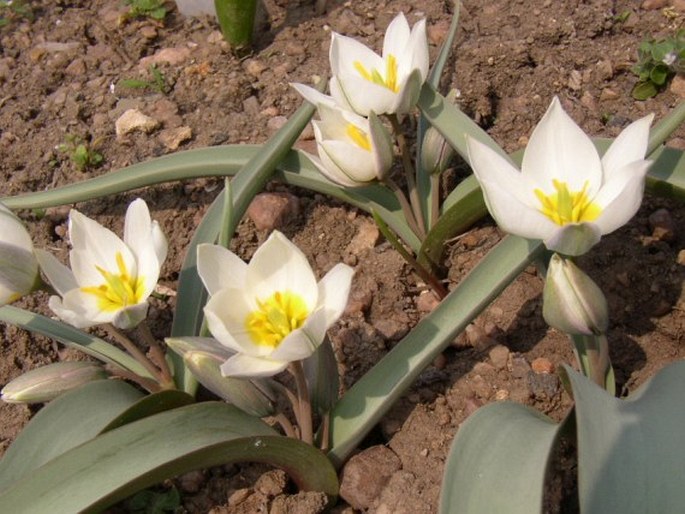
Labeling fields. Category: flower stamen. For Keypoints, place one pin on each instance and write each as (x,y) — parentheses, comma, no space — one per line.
(119,290)
(564,206)
(275,318)
(358,137)
(390,79)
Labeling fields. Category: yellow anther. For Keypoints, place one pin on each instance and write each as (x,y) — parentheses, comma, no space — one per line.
(358,136)
(119,290)
(275,318)
(564,207)
(388,81)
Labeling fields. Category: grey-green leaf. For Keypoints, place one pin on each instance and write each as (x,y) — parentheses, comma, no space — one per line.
(128,459)
(631,452)
(63,424)
(498,462)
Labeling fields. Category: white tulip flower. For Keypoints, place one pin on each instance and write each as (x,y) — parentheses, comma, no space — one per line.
(353,150)
(18,265)
(565,194)
(110,280)
(366,82)
(270,311)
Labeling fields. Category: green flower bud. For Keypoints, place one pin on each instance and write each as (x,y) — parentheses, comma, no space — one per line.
(436,152)
(48,382)
(572,302)
(252,396)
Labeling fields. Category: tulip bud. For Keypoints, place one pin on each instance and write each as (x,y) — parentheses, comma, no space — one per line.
(572,302)
(48,382)
(436,152)
(252,396)
(18,266)
(183,345)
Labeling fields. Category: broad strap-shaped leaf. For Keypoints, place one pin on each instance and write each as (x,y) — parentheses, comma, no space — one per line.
(498,461)
(63,424)
(150,405)
(72,337)
(631,452)
(138,455)
(371,397)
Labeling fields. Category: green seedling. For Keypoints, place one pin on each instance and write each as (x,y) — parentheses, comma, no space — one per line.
(14,9)
(157,83)
(658,61)
(82,153)
(146,9)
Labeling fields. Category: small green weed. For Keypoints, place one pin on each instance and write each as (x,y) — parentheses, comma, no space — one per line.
(657,61)
(11,10)
(157,83)
(146,9)
(82,153)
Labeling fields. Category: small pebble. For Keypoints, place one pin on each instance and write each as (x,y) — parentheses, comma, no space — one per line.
(542,365)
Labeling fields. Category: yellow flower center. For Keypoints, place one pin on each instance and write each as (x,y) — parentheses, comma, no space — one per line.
(358,137)
(390,79)
(564,206)
(275,318)
(119,290)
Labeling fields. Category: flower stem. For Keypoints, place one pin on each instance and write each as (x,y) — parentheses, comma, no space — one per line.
(422,272)
(157,355)
(133,350)
(149,385)
(410,175)
(406,208)
(286,425)
(435,198)
(305,406)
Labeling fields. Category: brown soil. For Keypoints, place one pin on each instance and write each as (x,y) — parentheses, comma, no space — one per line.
(510,59)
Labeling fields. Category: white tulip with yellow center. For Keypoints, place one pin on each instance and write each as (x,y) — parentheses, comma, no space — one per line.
(366,82)
(565,194)
(271,311)
(18,266)
(353,151)
(110,279)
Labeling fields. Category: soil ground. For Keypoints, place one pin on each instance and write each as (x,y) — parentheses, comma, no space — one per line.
(61,76)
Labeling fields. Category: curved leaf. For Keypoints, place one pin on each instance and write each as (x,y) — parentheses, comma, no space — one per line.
(128,459)
(631,452)
(72,337)
(498,461)
(150,405)
(63,424)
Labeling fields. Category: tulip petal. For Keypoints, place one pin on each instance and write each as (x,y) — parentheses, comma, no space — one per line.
(297,345)
(220,268)
(396,37)
(137,226)
(334,290)
(313,96)
(559,149)
(364,96)
(620,198)
(129,317)
(226,312)
(60,277)
(338,94)
(418,46)
(381,146)
(159,243)
(244,366)
(80,309)
(574,239)
(332,172)
(279,266)
(629,146)
(409,92)
(357,164)
(345,52)
(13,230)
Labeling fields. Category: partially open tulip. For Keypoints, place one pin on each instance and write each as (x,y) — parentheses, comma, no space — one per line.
(270,311)
(18,265)
(565,194)
(572,302)
(353,151)
(110,279)
(366,82)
